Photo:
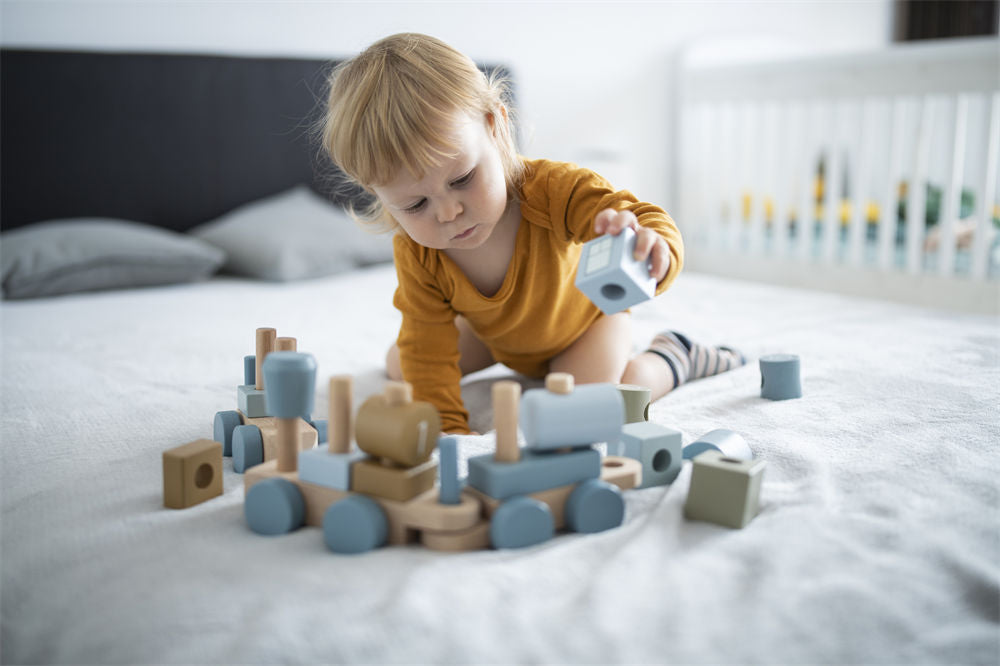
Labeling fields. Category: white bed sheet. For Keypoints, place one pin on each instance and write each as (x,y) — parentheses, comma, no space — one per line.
(878,541)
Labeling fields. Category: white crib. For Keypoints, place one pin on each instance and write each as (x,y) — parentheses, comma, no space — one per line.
(843,139)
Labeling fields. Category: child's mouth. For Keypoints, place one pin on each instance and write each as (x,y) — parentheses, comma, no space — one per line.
(465,234)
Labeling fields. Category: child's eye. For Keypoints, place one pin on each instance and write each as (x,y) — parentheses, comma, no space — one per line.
(464,180)
(415,208)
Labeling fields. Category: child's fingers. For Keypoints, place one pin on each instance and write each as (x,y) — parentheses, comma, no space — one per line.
(659,259)
(611,221)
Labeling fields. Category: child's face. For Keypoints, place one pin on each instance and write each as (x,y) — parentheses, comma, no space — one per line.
(457,204)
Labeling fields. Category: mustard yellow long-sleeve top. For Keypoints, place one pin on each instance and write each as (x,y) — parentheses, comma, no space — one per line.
(537,312)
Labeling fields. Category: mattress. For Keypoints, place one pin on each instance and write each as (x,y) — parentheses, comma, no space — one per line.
(878,538)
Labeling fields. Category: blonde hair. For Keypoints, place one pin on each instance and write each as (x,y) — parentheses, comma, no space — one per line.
(390,106)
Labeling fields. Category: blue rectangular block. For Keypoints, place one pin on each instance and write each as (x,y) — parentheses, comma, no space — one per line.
(533,473)
(323,468)
(251,401)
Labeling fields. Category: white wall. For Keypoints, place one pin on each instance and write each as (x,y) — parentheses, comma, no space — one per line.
(593,78)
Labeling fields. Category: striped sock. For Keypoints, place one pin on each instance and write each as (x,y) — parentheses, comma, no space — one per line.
(689,360)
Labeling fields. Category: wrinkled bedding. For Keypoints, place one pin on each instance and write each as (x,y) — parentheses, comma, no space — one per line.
(878,539)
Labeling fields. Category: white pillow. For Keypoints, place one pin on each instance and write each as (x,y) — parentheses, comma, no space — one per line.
(293,235)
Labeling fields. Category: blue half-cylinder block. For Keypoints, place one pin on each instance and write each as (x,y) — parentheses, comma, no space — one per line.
(251,402)
(728,443)
(533,472)
(610,277)
(448,471)
(780,377)
(222,429)
(355,524)
(248,448)
(590,413)
(323,468)
(274,506)
(290,378)
(521,522)
(250,369)
(657,447)
(595,506)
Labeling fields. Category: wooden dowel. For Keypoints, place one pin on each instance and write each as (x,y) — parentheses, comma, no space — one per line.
(286,344)
(340,422)
(506,399)
(288,450)
(265,345)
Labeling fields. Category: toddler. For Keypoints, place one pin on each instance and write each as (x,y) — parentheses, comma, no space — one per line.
(487,242)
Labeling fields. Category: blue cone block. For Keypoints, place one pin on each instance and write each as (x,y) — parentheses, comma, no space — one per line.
(248,448)
(274,506)
(290,381)
(222,429)
(355,524)
(728,443)
(448,471)
(779,377)
(250,369)
(595,506)
(520,522)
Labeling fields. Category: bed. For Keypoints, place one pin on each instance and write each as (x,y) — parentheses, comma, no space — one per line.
(878,538)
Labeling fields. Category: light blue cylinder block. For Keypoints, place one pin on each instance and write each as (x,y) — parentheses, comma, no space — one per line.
(591,413)
(355,524)
(248,448)
(595,506)
(274,506)
(249,369)
(780,377)
(290,384)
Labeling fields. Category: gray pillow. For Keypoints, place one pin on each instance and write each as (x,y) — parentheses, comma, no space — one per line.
(293,235)
(65,256)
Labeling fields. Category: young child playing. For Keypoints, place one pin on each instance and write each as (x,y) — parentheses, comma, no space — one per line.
(487,242)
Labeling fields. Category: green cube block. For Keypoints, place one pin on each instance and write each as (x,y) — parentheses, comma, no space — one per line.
(725,491)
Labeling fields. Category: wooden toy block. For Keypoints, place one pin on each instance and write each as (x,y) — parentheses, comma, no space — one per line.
(291,377)
(250,370)
(285,344)
(476,537)
(780,377)
(323,468)
(609,275)
(636,399)
(222,429)
(274,506)
(625,473)
(451,488)
(728,443)
(521,522)
(725,491)
(355,524)
(265,339)
(341,421)
(251,401)
(424,512)
(657,448)
(192,473)
(588,414)
(595,506)
(394,427)
(534,472)
(396,483)
(317,498)
(506,396)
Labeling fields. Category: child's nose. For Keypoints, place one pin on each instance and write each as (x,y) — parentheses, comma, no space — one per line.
(448,210)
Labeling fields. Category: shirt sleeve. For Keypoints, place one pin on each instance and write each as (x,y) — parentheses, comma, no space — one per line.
(428,339)
(575,196)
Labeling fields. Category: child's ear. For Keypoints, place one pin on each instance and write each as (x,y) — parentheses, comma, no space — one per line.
(491,119)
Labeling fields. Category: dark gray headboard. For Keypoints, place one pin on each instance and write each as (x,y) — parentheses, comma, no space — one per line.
(170,140)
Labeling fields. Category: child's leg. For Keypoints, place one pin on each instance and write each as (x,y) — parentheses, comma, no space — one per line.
(600,354)
(474,355)
(673,359)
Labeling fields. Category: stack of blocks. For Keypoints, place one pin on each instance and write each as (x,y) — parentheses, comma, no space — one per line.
(560,426)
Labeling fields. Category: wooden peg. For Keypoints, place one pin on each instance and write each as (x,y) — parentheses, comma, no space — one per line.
(341,423)
(506,398)
(265,345)
(285,344)
(398,393)
(559,382)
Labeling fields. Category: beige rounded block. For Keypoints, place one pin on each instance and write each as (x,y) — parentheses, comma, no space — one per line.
(559,382)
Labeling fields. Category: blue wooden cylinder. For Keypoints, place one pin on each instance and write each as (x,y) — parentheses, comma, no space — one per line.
(780,377)
(590,413)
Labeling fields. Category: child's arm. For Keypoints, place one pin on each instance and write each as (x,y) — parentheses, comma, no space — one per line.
(428,341)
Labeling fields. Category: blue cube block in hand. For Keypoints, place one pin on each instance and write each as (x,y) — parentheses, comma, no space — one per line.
(610,277)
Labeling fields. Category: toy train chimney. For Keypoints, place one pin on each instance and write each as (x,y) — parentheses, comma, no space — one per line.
(265,345)
(341,420)
(291,377)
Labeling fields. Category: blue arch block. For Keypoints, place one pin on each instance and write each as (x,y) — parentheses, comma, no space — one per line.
(222,429)
(355,524)
(595,506)
(248,448)
(520,522)
(274,506)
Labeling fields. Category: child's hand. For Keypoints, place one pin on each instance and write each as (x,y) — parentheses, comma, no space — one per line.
(648,244)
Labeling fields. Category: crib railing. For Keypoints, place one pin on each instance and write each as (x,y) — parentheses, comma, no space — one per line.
(873,174)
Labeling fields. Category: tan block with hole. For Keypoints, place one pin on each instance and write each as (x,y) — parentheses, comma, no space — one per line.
(192,473)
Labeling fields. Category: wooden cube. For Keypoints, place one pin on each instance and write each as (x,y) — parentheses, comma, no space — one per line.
(192,473)
(724,490)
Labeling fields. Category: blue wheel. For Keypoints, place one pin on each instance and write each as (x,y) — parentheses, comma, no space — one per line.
(222,429)
(248,448)
(595,506)
(520,522)
(355,524)
(274,506)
